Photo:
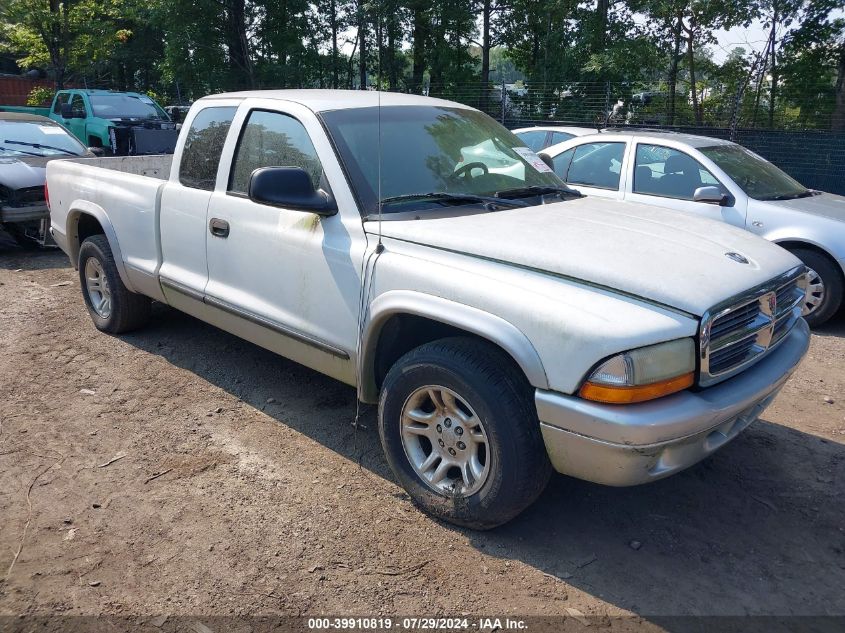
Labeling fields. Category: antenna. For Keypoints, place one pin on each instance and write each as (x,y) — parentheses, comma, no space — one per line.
(380,246)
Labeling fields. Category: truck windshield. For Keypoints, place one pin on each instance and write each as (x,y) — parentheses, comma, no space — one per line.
(433,157)
(120,106)
(39,138)
(756,176)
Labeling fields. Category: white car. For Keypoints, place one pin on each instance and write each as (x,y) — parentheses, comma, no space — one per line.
(543,136)
(716,179)
(504,325)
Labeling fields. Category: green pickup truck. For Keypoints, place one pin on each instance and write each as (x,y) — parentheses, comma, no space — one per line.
(121,123)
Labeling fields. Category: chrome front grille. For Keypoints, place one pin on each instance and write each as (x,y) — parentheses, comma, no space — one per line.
(735,335)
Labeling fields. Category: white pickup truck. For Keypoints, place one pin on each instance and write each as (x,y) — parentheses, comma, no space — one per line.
(417,250)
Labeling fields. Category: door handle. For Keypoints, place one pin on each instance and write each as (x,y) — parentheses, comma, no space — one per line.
(218,227)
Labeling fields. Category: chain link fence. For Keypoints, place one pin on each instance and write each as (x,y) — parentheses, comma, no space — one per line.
(794,132)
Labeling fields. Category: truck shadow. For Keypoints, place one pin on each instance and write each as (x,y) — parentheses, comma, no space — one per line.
(29,257)
(757,529)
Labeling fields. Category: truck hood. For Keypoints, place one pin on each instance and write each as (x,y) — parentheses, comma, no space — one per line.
(659,255)
(826,205)
(19,172)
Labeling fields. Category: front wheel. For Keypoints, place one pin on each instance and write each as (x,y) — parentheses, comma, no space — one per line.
(825,286)
(460,431)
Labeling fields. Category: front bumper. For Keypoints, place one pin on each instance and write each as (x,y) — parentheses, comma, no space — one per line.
(626,445)
(11,215)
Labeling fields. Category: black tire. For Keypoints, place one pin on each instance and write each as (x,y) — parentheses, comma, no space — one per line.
(831,276)
(129,311)
(493,386)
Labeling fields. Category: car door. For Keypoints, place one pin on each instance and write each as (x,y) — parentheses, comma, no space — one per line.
(286,279)
(80,113)
(184,205)
(593,169)
(668,177)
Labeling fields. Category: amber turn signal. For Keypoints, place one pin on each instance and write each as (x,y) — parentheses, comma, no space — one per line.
(628,395)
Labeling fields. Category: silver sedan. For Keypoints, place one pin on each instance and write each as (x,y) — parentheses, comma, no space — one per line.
(720,180)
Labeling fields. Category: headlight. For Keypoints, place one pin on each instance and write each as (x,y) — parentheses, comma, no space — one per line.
(643,374)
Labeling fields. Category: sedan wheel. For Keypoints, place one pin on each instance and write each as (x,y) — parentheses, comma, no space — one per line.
(815,292)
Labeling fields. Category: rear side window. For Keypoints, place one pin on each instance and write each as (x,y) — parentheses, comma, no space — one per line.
(272,139)
(597,165)
(203,146)
(77,106)
(535,139)
(560,137)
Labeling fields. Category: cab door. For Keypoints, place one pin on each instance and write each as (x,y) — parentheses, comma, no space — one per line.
(184,203)
(286,279)
(668,177)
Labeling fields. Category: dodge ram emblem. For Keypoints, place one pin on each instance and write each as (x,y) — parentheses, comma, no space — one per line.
(740,259)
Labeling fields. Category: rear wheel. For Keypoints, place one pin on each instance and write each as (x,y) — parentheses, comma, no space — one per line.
(824,294)
(113,308)
(460,431)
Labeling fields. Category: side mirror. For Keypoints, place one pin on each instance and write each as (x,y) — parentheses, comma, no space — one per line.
(97,151)
(710,195)
(547,159)
(289,187)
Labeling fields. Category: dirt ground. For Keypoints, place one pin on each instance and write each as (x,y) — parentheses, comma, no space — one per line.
(179,470)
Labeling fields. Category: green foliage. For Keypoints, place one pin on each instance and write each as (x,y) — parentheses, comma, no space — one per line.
(579,60)
(40,96)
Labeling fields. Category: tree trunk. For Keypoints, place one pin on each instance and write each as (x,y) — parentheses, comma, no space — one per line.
(392,36)
(838,118)
(350,62)
(362,48)
(420,38)
(334,27)
(673,70)
(486,12)
(600,35)
(236,41)
(691,62)
(774,73)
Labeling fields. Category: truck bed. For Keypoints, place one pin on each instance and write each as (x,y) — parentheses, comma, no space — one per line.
(122,190)
(155,166)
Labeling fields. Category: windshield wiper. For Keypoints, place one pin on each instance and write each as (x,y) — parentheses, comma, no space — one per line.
(445,196)
(537,190)
(40,146)
(20,151)
(794,196)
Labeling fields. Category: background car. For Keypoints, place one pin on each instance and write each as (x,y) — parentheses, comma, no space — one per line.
(721,180)
(541,137)
(27,143)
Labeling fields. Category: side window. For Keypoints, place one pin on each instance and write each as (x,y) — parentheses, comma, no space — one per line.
(60,101)
(560,163)
(203,146)
(560,137)
(597,165)
(272,139)
(534,139)
(662,171)
(77,106)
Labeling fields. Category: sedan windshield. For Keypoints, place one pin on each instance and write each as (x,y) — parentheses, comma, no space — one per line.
(434,157)
(756,176)
(37,138)
(119,106)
